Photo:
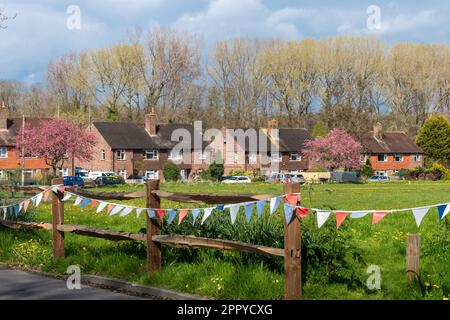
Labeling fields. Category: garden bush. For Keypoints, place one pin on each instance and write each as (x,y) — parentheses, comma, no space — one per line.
(171,171)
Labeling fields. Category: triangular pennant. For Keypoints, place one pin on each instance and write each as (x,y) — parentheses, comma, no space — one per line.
(85,202)
(443,210)
(233,213)
(78,201)
(206,214)
(195,213)
(17,209)
(220,207)
(67,196)
(11,211)
(115,210)
(139,211)
(172,215)
(47,194)
(274,203)
(160,213)
(419,214)
(110,208)
(357,215)
(377,216)
(260,207)
(126,211)
(301,212)
(322,217)
(183,213)
(62,189)
(39,198)
(94,202)
(101,206)
(25,205)
(248,208)
(340,217)
(4,212)
(151,213)
(288,212)
(292,199)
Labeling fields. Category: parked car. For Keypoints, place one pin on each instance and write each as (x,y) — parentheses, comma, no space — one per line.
(345,176)
(73,181)
(378,179)
(83,174)
(237,179)
(96,174)
(286,178)
(103,181)
(136,179)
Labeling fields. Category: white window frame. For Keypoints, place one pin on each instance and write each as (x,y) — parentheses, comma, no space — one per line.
(201,154)
(63,171)
(417,157)
(385,157)
(277,158)
(155,153)
(398,154)
(178,156)
(298,156)
(103,154)
(123,173)
(155,174)
(120,153)
(252,157)
(4,155)
(363,157)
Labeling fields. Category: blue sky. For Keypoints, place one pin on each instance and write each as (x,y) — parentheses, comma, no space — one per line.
(39,32)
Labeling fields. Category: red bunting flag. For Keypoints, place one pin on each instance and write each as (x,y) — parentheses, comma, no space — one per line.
(340,217)
(46,195)
(302,212)
(93,203)
(292,199)
(25,205)
(182,214)
(110,207)
(377,216)
(62,189)
(160,213)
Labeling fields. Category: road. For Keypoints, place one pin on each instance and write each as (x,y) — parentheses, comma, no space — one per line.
(21,285)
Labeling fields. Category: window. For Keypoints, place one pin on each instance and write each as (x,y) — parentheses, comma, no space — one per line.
(103,155)
(152,174)
(64,171)
(252,157)
(123,173)
(151,154)
(176,154)
(201,155)
(382,173)
(398,157)
(3,153)
(417,157)
(121,155)
(275,156)
(382,157)
(30,156)
(363,158)
(294,156)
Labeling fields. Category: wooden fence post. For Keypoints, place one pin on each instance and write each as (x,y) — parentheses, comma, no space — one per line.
(292,253)
(153,229)
(412,257)
(57,218)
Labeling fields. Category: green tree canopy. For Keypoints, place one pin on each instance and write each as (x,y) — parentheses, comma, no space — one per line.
(434,139)
(171,171)
(320,129)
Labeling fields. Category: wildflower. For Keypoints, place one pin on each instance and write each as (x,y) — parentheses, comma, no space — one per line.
(427,284)
(435,286)
(444,298)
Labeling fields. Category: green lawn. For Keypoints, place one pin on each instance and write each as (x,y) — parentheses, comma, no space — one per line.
(230,275)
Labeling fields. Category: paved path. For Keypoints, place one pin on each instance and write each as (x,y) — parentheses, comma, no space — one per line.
(21,285)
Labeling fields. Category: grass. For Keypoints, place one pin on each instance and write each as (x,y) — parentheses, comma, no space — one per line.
(228,275)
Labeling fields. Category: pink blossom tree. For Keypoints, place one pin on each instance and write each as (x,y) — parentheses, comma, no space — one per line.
(336,150)
(56,140)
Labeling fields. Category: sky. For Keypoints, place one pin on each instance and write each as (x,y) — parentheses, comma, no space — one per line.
(45,30)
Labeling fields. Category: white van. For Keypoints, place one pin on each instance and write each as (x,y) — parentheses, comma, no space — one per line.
(95,174)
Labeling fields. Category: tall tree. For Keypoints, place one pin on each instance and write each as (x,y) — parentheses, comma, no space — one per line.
(434,139)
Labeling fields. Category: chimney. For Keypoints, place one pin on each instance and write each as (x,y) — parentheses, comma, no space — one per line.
(378,131)
(4,113)
(150,122)
(272,124)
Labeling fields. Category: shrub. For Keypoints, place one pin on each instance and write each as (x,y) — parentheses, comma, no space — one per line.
(241,173)
(171,171)
(367,170)
(216,171)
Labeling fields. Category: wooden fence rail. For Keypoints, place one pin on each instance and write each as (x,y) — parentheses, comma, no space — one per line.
(153,237)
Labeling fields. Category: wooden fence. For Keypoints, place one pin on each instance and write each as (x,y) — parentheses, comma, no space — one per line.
(153,237)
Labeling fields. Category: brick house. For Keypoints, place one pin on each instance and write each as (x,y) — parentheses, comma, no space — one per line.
(389,151)
(9,157)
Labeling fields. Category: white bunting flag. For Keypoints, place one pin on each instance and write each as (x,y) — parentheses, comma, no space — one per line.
(115,210)
(139,211)
(322,217)
(101,206)
(39,198)
(55,189)
(274,203)
(78,201)
(357,215)
(419,214)
(126,211)
(206,214)
(233,213)
(67,196)
(4,213)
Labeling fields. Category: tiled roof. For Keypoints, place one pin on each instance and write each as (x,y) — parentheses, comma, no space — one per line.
(8,137)
(391,142)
